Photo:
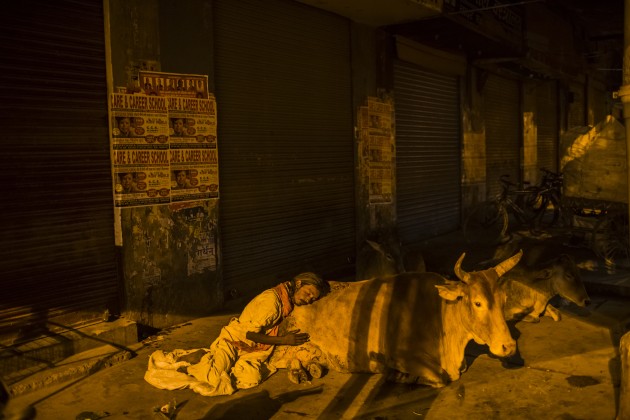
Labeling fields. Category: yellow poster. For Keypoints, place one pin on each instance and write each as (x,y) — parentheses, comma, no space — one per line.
(164,141)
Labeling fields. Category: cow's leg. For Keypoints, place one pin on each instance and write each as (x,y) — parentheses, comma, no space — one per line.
(531,318)
(534,312)
(432,376)
(518,310)
(512,313)
(464,367)
(306,353)
(552,312)
(315,369)
(400,377)
(297,374)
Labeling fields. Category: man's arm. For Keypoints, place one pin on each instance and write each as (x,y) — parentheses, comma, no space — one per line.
(293,338)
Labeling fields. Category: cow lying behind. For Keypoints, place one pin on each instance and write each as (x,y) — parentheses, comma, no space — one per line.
(376,259)
(413,326)
(529,289)
(379,259)
(413,260)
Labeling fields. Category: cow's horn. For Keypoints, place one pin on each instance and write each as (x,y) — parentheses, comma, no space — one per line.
(508,264)
(461,274)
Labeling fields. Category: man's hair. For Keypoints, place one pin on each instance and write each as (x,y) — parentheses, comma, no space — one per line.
(315,280)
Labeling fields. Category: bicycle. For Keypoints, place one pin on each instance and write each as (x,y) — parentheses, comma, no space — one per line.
(489,221)
(545,201)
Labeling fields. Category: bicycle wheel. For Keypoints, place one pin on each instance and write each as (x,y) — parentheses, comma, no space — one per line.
(486,224)
(547,209)
(532,204)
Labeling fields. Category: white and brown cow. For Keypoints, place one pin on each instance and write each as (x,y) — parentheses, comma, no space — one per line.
(412,326)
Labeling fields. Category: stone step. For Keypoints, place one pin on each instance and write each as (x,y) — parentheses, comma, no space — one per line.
(77,366)
(22,360)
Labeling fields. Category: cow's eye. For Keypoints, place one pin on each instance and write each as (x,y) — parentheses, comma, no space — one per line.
(478,304)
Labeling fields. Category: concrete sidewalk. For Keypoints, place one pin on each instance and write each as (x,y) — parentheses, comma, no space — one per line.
(565,370)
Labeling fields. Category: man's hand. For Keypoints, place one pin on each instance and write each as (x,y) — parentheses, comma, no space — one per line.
(292,338)
(295,338)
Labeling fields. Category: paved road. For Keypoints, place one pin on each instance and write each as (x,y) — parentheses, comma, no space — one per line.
(565,370)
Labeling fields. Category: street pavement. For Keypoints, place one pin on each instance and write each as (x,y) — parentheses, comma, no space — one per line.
(565,370)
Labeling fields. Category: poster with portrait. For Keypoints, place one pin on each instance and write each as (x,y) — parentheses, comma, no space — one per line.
(139,150)
(164,141)
(193,148)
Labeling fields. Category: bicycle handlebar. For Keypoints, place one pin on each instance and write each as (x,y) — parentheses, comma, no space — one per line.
(509,186)
(551,174)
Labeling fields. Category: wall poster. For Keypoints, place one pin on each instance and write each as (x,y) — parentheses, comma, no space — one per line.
(164,141)
(376,129)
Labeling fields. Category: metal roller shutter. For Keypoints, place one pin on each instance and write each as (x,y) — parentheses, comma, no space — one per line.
(285,141)
(503,128)
(547,124)
(57,242)
(428,148)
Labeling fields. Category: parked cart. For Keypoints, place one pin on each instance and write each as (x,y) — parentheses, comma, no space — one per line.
(595,188)
(603,225)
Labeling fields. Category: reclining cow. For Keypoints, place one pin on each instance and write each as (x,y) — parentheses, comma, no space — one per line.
(378,259)
(529,289)
(384,258)
(412,326)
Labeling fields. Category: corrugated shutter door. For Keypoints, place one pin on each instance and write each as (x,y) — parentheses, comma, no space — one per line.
(427,152)
(285,141)
(501,112)
(547,124)
(57,241)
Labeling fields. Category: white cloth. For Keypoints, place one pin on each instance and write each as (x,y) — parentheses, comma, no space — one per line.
(223,367)
(162,373)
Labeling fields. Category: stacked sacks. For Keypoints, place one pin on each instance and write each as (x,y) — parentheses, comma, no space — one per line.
(594,162)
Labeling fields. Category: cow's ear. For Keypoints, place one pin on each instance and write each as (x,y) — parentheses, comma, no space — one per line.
(450,291)
(375,245)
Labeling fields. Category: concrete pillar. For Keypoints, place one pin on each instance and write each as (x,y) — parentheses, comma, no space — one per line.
(624,388)
(624,91)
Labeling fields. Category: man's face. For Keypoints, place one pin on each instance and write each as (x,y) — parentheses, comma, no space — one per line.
(181,178)
(305,294)
(124,125)
(127,181)
(178,126)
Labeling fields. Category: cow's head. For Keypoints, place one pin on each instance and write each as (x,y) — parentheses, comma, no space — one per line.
(481,304)
(565,279)
(378,259)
